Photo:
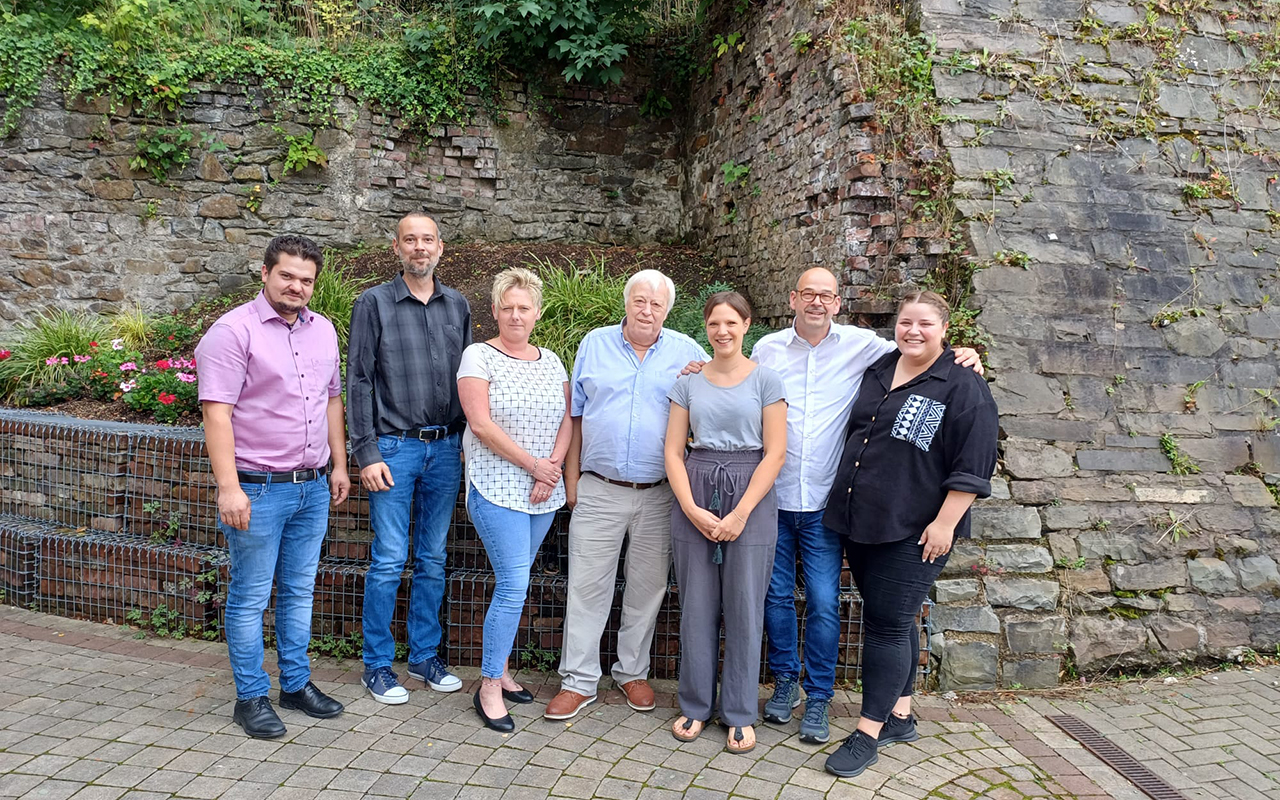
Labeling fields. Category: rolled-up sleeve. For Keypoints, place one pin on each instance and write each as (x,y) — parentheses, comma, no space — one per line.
(970,445)
(362,362)
(221,361)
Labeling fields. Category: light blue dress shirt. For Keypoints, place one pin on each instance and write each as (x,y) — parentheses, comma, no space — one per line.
(623,401)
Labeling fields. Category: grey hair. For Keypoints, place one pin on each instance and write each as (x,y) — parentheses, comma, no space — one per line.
(517,278)
(655,280)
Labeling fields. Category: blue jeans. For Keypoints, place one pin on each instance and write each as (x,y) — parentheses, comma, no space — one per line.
(511,540)
(821,555)
(427,476)
(287,523)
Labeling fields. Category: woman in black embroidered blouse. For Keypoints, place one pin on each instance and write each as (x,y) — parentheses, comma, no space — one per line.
(920,447)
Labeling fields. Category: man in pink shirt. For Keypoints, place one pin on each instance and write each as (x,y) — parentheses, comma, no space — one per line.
(271,391)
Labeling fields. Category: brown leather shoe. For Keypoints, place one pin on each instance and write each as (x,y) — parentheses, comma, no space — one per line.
(639,695)
(567,704)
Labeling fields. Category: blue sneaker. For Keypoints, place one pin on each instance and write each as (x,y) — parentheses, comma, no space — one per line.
(435,674)
(384,686)
(813,726)
(786,696)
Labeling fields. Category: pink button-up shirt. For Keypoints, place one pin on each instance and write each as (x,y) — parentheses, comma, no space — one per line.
(279,378)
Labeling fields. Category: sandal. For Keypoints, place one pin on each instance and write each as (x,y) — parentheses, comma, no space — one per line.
(688,734)
(735,735)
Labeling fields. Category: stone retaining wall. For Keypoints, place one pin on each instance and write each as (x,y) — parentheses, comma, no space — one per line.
(1139,341)
(80,229)
(820,189)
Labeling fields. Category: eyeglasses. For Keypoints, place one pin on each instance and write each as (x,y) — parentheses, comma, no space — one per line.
(809,295)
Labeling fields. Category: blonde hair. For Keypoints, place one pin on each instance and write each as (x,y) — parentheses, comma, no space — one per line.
(517,278)
(937,301)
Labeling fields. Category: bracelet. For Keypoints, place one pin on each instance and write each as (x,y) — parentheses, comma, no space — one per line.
(739,516)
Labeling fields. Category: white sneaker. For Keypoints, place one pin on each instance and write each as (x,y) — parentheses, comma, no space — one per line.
(384,686)
(435,674)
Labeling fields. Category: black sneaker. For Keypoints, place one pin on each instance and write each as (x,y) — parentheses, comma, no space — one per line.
(898,729)
(853,756)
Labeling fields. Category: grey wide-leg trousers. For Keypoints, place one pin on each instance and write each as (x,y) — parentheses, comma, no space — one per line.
(734,589)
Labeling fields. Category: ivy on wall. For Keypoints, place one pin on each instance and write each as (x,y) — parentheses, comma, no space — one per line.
(419,59)
(152,52)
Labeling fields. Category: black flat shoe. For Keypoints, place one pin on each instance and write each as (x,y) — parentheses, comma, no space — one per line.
(522,696)
(311,701)
(258,718)
(502,724)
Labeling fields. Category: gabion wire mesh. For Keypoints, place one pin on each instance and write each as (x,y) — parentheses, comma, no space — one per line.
(118,579)
(117,522)
(61,469)
(19,542)
(336,626)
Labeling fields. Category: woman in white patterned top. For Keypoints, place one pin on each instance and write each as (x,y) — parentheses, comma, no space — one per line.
(516,398)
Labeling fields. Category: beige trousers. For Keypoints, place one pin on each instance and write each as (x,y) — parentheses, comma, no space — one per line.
(604,515)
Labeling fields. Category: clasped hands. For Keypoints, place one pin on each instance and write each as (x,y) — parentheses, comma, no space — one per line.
(715,528)
(546,474)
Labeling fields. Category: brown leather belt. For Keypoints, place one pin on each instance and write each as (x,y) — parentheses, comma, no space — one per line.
(628,484)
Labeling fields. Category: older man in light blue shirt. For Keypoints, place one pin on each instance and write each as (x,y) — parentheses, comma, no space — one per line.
(617,486)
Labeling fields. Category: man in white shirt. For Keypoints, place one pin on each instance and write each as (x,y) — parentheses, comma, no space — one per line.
(822,363)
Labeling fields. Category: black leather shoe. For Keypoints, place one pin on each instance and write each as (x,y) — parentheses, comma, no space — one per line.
(502,724)
(258,718)
(311,701)
(522,696)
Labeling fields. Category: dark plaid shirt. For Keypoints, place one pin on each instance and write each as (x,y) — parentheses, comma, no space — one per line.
(402,363)
(907,447)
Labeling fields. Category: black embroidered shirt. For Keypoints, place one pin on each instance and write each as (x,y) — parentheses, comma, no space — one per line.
(905,448)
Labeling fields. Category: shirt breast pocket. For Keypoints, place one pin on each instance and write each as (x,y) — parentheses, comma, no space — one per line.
(319,371)
(918,421)
(453,338)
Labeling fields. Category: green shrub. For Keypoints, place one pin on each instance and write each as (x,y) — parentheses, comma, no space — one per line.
(334,295)
(576,300)
(134,326)
(44,355)
(586,36)
(686,317)
(172,335)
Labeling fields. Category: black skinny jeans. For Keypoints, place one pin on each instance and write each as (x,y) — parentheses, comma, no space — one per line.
(894,583)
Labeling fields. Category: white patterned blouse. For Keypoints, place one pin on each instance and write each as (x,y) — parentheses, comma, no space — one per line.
(526,400)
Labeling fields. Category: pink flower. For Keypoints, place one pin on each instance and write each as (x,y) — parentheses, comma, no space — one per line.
(186,377)
(51,361)
(127,366)
(82,359)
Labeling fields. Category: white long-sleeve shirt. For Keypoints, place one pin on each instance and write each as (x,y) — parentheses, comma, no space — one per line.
(821,384)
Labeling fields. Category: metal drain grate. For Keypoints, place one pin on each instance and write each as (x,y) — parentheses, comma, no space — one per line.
(1147,781)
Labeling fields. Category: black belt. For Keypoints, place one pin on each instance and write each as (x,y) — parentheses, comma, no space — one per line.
(629,484)
(433,433)
(297,476)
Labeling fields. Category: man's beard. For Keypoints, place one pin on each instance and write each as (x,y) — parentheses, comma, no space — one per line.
(286,305)
(424,271)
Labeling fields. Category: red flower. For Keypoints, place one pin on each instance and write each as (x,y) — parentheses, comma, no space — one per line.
(162,363)
(93,344)
(166,399)
(171,337)
(5,354)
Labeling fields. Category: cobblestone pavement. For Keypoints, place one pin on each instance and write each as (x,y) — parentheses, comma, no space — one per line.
(87,711)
